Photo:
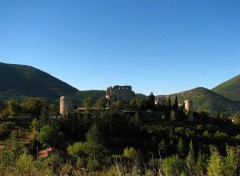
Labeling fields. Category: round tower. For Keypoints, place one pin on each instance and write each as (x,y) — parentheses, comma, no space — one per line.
(66,105)
(188,105)
(189,109)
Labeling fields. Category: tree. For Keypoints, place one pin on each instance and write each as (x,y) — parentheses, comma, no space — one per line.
(35,106)
(76,150)
(14,107)
(162,147)
(101,102)
(190,159)
(215,163)
(95,144)
(35,124)
(200,164)
(169,103)
(151,101)
(131,153)
(47,136)
(176,104)
(88,103)
(181,148)
(232,161)
(173,165)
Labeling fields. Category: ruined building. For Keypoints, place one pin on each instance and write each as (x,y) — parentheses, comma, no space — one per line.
(159,100)
(189,109)
(66,105)
(123,93)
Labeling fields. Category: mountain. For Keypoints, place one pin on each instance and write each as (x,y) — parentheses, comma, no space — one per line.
(229,89)
(207,100)
(21,81)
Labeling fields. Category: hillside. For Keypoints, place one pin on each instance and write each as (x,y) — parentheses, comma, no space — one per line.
(229,89)
(206,100)
(24,81)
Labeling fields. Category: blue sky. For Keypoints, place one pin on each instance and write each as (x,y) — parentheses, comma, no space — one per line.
(159,46)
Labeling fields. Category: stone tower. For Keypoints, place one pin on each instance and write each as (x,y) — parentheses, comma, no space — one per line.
(189,109)
(66,105)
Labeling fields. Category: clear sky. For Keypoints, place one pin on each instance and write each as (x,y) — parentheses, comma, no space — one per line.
(159,46)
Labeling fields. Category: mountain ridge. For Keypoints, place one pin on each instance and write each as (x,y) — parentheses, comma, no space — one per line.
(229,89)
(28,81)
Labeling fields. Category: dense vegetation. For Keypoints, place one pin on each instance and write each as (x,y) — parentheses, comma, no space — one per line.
(209,101)
(144,140)
(229,89)
(20,81)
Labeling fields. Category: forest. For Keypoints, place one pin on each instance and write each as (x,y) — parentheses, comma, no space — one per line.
(125,138)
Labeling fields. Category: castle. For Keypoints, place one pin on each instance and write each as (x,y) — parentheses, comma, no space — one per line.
(123,93)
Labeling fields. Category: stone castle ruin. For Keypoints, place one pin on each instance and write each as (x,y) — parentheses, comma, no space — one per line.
(66,105)
(123,93)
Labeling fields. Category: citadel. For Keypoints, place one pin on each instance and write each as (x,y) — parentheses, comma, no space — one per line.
(124,94)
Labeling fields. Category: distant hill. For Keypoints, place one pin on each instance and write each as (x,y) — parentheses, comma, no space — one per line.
(229,89)
(21,81)
(207,100)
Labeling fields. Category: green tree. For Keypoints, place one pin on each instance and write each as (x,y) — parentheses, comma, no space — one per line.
(215,163)
(35,106)
(200,164)
(25,165)
(169,103)
(101,102)
(88,103)
(131,153)
(14,107)
(95,145)
(162,147)
(173,165)
(35,124)
(151,102)
(181,148)
(47,136)
(10,154)
(232,161)
(190,161)
(76,150)
(176,104)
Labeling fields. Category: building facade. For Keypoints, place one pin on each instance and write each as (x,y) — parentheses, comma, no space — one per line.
(123,93)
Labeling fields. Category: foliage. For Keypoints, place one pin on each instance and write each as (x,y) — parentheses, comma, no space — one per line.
(76,150)
(47,136)
(88,103)
(215,163)
(95,145)
(131,154)
(14,107)
(173,165)
(101,102)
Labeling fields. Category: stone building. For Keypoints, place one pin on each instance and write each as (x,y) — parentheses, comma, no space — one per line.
(123,93)
(66,105)
(189,109)
(159,100)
